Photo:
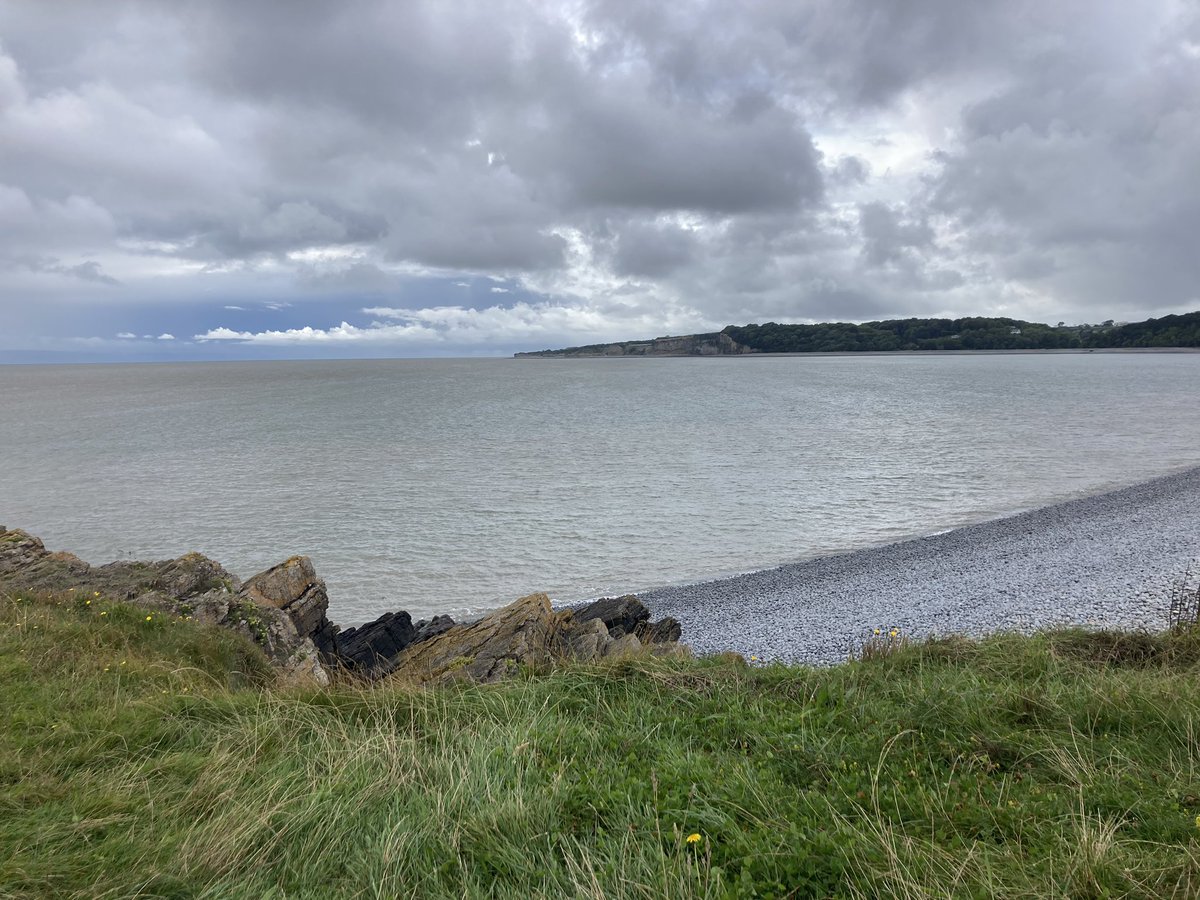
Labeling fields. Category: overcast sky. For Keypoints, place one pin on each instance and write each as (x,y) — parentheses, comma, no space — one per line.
(240,180)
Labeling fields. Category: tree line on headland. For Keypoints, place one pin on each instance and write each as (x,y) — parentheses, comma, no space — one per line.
(972,333)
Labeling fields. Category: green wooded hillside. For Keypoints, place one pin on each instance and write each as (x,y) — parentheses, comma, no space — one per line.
(972,333)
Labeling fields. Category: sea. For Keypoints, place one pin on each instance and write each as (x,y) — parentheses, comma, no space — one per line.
(457,485)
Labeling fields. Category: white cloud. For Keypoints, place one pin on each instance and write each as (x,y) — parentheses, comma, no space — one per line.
(166,337)
(459,325)
(125,335)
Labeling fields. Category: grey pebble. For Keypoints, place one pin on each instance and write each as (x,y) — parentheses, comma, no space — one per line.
(1108,560)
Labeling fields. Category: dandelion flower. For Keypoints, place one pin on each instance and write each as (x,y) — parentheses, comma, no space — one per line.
(87,603)
(753,659)
(1198,821)
(105,613)
(694,838)
(877,631)
(893,633)
(148,618)
(96,594)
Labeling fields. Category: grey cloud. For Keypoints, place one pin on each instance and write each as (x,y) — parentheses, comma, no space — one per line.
(694,162)
(653,250)
(888,236)
(1075,173)
(88,270)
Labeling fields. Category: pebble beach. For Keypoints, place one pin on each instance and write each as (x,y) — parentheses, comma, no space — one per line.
(1108,560)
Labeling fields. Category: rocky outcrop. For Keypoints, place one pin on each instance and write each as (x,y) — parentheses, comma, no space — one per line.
(191,585)
(284,610)
(530,635)
(713,344)
(293,586)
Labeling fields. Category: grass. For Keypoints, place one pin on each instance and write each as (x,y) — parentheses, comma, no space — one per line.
(157,758)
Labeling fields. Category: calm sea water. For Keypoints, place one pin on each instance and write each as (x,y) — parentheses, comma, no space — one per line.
(458,485)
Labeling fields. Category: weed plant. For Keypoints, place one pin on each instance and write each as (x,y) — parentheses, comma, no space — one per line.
(147,756)
(1184,607)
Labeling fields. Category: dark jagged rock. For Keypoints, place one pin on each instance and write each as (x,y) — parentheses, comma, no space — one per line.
(428,628)
(628,615)
(620,615)
(664,631)
(370,648)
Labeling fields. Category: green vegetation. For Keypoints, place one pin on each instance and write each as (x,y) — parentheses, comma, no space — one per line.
(974,333)
(148,756)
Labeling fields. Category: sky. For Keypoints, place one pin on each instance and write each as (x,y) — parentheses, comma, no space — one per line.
(230,180)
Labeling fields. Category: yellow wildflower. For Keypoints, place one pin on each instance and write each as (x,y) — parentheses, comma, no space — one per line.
(893,633)
(97,594)
(1198,821)
(693,838)
(877,631)
(148,618)
(87,603)
(105,613)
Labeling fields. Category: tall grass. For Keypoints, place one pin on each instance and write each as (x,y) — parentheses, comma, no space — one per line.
(1063,764)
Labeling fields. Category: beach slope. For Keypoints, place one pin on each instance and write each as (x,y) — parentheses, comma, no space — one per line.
(1105,560)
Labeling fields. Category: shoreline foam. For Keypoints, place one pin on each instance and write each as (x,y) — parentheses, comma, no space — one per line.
(1105,560)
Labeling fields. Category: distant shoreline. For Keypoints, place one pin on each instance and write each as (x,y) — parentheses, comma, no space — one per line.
(973,333)
(1070,351)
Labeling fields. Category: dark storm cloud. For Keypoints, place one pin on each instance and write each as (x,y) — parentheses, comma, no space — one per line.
(625,164)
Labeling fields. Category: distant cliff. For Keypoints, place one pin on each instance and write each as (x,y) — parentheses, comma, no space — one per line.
(716,343)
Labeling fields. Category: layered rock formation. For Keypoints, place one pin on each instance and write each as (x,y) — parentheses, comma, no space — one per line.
(192,585)
(284,610)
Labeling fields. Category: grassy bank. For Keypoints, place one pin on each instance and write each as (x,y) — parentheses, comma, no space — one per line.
(147,756)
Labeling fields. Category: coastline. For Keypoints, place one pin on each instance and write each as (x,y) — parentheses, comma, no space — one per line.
(757,354)
(1106,560)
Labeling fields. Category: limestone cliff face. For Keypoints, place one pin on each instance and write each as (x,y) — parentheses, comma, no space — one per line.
(714,344)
